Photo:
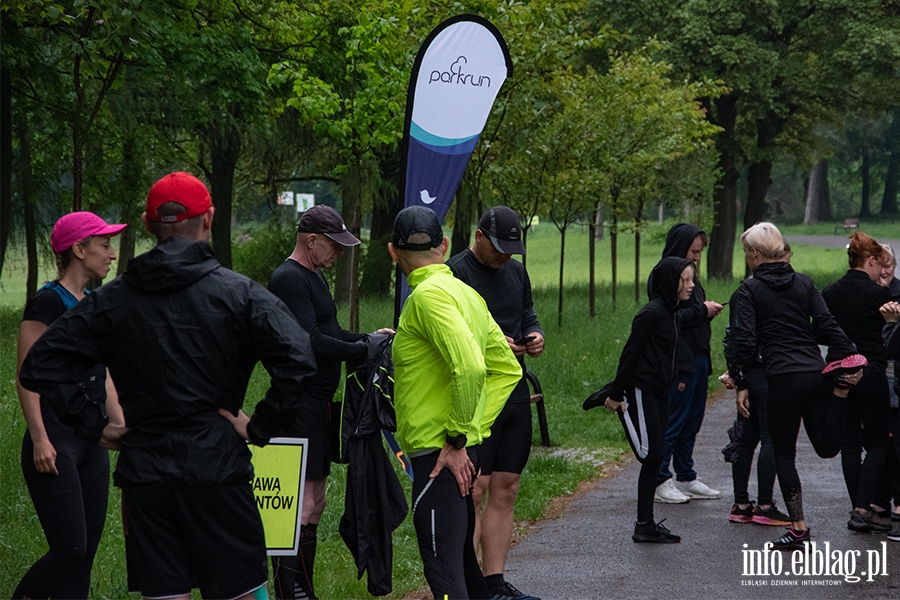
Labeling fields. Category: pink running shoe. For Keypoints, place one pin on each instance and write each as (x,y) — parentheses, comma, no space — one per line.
(849,364)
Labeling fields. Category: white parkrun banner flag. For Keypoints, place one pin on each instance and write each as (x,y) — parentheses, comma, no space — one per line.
(455,79)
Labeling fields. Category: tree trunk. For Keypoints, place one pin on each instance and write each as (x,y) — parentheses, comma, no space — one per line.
(462,220)
(31,278)
(824,192)
(225,148)
(525,243)
(865,209)
(892,177)
(355,227)
(813,196)
(760,171)
(377,268)
(720,258)
(6,158)
(592,245)
(759,179)
(637,266)
(613,248)
(598,222)
(131,206)
(562,262)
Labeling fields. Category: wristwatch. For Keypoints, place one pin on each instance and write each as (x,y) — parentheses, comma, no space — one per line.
(457,441)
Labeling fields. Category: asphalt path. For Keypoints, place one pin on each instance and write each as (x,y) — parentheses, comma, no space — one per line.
(587,552)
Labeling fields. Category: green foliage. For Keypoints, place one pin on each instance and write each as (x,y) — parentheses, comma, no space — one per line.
(259,251)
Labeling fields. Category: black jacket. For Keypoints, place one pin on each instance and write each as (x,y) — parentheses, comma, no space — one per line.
(180,336)
(854,300)
(693,317)
(648,358)
(374,504)
(781,315)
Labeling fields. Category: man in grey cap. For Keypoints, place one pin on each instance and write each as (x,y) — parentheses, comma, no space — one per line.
(506,288)
(299,283)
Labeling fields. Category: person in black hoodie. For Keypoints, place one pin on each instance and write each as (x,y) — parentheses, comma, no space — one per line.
(180,336)
(782,316)
(687,396)
(855,300)
(639,392)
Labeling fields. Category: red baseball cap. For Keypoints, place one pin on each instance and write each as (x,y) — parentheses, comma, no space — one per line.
(181,188)
(78,226)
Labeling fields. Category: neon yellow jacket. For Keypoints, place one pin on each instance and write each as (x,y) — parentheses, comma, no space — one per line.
(453,368)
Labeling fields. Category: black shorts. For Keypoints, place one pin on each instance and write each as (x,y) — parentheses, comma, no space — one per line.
(314,423)
(179,538)
(508,447)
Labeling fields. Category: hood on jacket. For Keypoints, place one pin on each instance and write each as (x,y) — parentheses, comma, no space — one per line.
(664,279)
(776,275)
(680,238)
(173,265)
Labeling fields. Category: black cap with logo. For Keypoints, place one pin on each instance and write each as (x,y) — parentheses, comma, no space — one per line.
(420,225)
(501,225)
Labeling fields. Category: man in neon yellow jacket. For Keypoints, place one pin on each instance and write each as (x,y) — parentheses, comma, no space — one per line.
(453,371)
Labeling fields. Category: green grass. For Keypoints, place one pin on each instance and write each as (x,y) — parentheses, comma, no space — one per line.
(579,357)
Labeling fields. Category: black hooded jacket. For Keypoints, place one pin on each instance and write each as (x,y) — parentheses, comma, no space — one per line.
(781,315)
(693,317)
(180,336)
(854,300)
(648,358)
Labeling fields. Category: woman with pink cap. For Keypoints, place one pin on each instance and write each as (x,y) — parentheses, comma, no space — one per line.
(68,478)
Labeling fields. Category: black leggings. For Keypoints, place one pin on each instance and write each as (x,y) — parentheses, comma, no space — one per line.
(755,430)
(445,527)
(867,427)
(645,422)
(807,396)
(71,507)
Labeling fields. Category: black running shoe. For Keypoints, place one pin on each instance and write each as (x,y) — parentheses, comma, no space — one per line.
(894,535)
(598,398)
(791,540)
(508,590)
(741,515)
(655,533)
(867,522)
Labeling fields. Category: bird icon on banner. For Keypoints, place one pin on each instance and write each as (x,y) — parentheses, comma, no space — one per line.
(426,199)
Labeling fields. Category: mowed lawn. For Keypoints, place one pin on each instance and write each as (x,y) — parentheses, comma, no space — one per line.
(580,356)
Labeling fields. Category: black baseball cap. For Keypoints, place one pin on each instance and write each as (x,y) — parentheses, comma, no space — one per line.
(501,225)
(324,219)
(417,220)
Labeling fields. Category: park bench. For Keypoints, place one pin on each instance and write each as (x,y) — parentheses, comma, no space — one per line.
(848,224)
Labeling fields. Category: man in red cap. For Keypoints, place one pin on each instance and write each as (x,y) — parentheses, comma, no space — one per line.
(180,336)
(299,283)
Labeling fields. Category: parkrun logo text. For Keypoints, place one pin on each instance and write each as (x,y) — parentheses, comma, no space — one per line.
(456,75)
(812,561)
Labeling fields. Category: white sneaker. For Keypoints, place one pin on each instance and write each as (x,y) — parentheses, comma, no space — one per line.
(696,489)
(667,493)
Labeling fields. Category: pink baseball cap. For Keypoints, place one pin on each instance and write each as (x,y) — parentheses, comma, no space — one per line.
(78,226)
(181,188)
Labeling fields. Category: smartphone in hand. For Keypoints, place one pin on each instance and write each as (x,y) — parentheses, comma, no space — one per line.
(524,340)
